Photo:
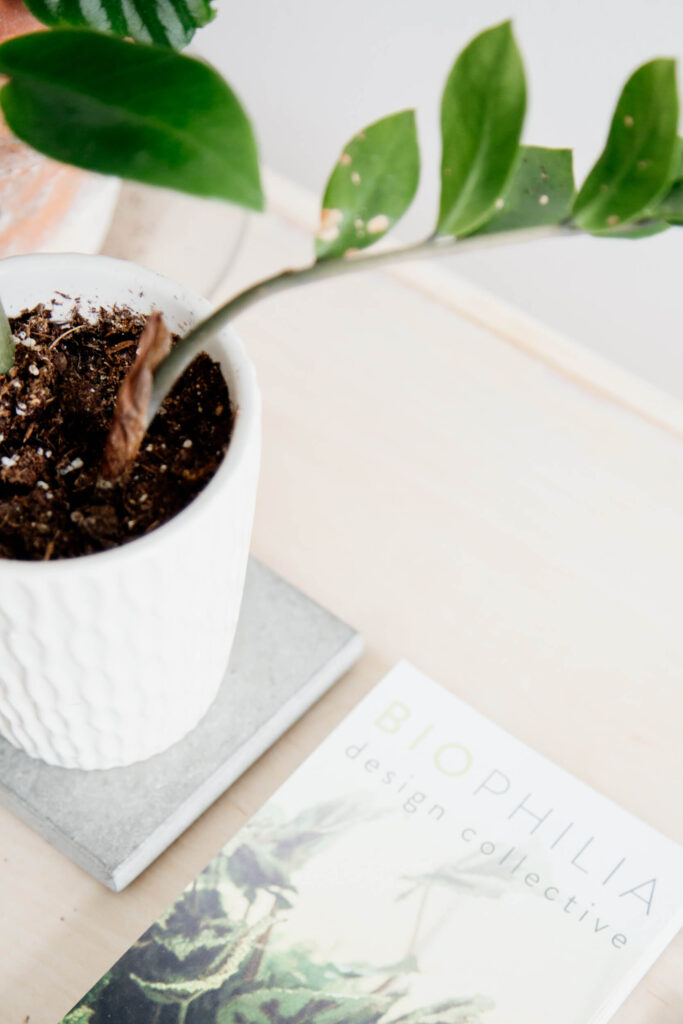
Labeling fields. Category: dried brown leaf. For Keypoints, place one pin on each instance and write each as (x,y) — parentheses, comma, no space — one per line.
(130,415)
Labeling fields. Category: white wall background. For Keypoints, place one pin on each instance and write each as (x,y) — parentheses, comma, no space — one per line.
(312,72)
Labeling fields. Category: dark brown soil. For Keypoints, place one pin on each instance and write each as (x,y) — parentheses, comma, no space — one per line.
(56,405)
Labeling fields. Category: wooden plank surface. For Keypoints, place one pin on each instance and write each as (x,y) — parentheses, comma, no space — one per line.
(470,492)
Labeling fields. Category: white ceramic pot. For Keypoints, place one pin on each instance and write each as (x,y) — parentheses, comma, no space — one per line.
(110,658)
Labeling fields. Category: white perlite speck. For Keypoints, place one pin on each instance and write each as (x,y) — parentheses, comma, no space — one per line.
(76,463)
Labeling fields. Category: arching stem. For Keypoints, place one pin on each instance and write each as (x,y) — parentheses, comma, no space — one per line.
(188,347)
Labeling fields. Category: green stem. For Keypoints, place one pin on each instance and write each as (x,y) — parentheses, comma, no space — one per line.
(188,347)
(6,342)
(182,1011)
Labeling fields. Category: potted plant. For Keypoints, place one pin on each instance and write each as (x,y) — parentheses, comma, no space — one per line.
(108,658)
(493,190)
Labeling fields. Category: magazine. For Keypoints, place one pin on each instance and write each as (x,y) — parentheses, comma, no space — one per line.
(421,867)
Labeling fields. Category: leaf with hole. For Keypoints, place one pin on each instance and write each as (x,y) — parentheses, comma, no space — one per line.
(482,113)
(371,186)
(159,118)
(165,22)
(640,157)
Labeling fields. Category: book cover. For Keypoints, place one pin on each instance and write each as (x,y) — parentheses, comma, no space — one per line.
(421,867)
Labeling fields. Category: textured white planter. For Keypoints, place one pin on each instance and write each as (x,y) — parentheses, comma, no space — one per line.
(110,658)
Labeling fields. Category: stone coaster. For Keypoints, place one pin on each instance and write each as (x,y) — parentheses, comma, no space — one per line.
(288,651)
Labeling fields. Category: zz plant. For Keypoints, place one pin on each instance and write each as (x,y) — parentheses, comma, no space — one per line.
(170,120)
(494,189)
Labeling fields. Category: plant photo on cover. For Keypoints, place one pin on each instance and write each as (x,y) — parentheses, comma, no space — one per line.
(222,953)
(397,878)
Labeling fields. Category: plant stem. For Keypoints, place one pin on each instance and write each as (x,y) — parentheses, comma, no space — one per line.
(412,945)
(418,921)
(188,347)
(6,342)
(253,965)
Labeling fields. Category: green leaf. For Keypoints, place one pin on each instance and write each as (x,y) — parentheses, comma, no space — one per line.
(482,112)
(641,154)
(371,186)
(470,874)
(451,1011)
(670,208)
(541,191)
(184,990)
(6,342)
(79,1015)
(253,868)
(297,1005)
(137,111)
(678,166)
(166,22)
(83,1011)
(211,939)
(636,231)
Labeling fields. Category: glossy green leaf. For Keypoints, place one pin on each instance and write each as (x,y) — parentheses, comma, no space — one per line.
(137,111)
(678,166)
(670,208)
(541,191)
(640,157)
(371,186)
(482,112)
(165,22)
